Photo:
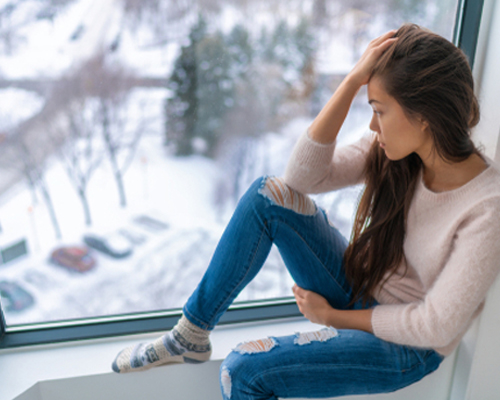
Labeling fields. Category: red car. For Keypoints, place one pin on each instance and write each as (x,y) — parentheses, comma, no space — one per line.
(76,258)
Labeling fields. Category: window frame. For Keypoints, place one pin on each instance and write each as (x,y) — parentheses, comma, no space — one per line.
(120,325)
(466,31)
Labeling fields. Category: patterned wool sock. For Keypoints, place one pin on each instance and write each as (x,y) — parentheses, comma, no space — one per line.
(184,343)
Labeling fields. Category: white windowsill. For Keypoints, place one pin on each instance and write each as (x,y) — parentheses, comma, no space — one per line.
(82,370)
(22,368)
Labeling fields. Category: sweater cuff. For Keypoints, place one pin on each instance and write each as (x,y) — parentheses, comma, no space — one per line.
(384,322)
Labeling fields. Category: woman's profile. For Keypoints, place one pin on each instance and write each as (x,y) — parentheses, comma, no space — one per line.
(395,299)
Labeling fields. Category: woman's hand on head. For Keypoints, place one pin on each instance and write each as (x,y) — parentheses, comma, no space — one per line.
(312,305)
(363,68)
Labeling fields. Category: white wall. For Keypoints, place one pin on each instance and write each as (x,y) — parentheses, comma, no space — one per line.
(484,379)
(478,375)
(487,78)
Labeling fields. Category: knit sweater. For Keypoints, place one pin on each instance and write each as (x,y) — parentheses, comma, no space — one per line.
(451,246)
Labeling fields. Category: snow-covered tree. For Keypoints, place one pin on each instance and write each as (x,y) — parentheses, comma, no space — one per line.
(106,98)
(93,126)
(79,153)
(234,85)
(202,93)
(21,154)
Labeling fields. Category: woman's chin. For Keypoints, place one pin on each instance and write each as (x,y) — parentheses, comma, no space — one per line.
(393,157)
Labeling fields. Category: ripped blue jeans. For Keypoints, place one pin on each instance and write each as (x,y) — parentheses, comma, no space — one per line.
(315,364)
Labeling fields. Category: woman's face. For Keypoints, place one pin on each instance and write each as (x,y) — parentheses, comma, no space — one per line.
(398,135)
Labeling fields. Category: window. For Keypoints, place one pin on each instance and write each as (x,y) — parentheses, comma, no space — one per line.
(128,131)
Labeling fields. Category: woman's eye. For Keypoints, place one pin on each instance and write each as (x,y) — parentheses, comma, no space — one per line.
(377,112)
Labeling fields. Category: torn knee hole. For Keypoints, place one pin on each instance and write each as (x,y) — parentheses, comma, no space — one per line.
(276,190)
(256,346)
(225,379)
(322,335)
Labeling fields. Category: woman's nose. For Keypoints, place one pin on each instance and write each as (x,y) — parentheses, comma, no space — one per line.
(374,124)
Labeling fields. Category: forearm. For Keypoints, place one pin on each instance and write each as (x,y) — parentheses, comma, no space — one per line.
(327,124)
(350,319)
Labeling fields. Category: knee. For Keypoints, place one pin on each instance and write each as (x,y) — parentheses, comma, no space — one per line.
(232,372)
(279,193)
(225,381)
(240,371)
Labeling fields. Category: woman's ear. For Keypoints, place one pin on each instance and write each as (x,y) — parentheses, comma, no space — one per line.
(424,124)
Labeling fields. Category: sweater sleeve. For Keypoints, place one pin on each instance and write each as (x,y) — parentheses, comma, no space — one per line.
(458,292)
(316,168)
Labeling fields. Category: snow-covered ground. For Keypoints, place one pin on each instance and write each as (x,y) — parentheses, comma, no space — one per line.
(11,114)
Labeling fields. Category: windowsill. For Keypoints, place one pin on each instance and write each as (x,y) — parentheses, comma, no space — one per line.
(22,368)
(82,370)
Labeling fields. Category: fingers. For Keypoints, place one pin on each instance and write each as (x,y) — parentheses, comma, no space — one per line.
(363,68)
(383,46)
(382,38)
(380,44)
(298,291)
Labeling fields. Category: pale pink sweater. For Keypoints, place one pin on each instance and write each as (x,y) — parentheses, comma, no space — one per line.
(452,247)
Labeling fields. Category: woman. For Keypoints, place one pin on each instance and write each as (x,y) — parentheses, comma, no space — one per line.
(421,259)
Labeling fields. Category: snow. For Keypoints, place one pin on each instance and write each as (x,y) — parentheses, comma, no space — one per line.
(191,195)
(11,114)
(146,60)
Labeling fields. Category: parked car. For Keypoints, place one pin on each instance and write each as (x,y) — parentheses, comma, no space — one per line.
(77,258)
(14,297)
(151,224)
(113,245)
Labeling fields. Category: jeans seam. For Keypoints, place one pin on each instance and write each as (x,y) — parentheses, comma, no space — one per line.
(427,355)
(338,366)
(313,252)
(242,278)
(191,316)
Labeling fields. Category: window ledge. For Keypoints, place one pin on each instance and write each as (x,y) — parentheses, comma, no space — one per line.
(38,367)
(84,369)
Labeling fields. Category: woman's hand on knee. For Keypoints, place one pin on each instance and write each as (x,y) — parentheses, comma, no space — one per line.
(317,309)
(312,305)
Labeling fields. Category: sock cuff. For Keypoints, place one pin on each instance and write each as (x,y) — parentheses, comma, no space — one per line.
(191,332)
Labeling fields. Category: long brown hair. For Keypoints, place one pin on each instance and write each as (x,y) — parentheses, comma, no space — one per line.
(431,79)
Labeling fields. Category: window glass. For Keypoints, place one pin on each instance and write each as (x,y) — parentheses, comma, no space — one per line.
(129,129)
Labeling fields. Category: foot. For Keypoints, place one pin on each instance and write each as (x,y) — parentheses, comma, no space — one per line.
(168,349)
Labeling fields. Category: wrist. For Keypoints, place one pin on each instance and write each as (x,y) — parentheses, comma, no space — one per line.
(330,317)
(350,319)
(354,81)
